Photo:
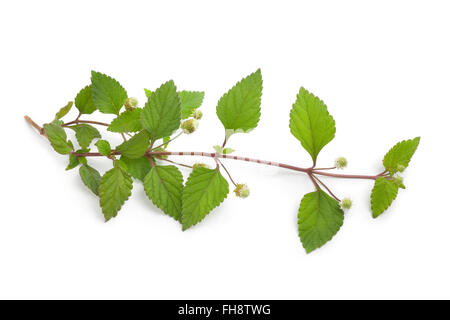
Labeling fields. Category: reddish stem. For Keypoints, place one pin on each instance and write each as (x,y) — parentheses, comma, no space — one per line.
(228,173)
(177,163)
(346,176)
(85,121)
(328,189)
(94,154)
(311,177)
(224,156)
(310,171)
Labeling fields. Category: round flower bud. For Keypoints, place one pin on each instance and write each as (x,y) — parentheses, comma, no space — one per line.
(189,126)
(346,203)
(197,114)
(400,168)
(131,103)
(242,190)
(200,165)
(340,163)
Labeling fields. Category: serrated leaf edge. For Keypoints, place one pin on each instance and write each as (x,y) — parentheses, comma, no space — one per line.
(298,222)
(170,195)
(221,201)
(386,207)
(233,88)
(314,158)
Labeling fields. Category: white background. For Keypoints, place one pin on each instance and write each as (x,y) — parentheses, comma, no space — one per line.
(383,69)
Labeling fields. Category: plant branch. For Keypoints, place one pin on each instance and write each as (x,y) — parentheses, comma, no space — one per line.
(345,176)
(177,163)
(328,189)
(214,155)
(228,173)
(224,142)
(94,154)
(163,144)
(152,162)
(36,126)
(85,121)
(225,156)
(311,177)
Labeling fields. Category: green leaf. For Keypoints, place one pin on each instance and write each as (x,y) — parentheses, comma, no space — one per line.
(122,166)
(63,111)
(311,123)
(190,100)
(319,218)
(240,108)
(128,121)
(84,102)
(73,162)
(58,122)
(85,134)
(162,114)
(227,150)
(205,189)
(400,155)
(58,138)
(148,93)
(136,146)
(383,193)
(221,150)
(164,186)
(90,177)
(70,145)
(114,189)
(108,95)
(103,147)
(166,141)
(137,168)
